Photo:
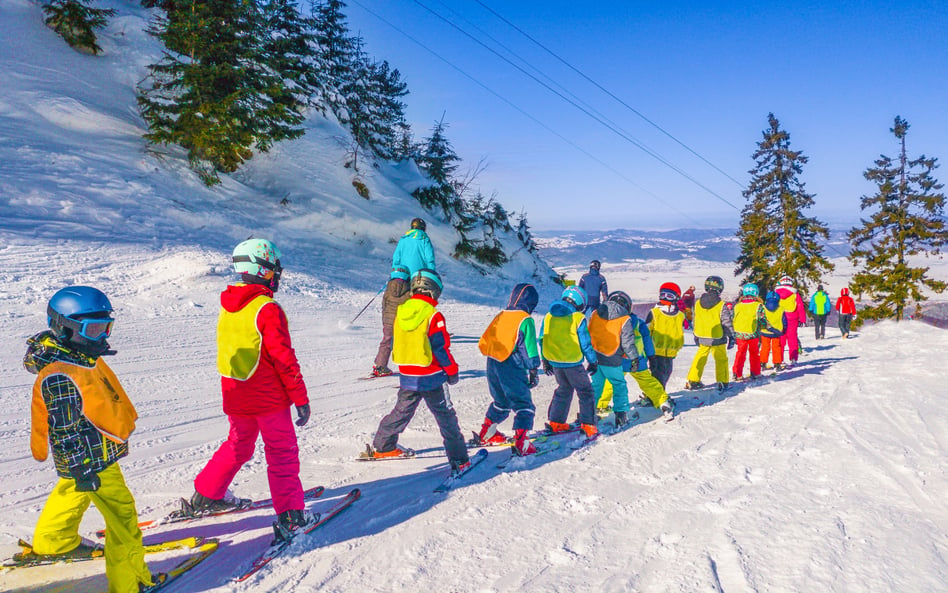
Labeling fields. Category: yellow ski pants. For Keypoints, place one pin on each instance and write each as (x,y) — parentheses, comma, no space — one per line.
(721,372)
(650,386)
(57,530)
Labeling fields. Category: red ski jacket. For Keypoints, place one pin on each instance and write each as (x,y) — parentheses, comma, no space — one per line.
(277,382)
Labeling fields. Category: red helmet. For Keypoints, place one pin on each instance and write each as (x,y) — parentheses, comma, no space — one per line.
(669,293)
(844,292)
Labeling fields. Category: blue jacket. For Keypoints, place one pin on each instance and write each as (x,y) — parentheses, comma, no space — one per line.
(561,308)
(414,251)
(594,284)
(815,302)
(648,346)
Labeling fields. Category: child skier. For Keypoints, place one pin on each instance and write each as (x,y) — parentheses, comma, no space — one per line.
(771,334)
(564,342)
(260,382)
(792,304)
(613,338)
(820,306)
(510,345)
(666,324)
(713,328)
(749,320)
(846,308)
(397,292)
(422,351)
(80,409)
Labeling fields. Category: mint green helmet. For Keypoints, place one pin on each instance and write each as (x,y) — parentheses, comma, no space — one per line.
(258,258)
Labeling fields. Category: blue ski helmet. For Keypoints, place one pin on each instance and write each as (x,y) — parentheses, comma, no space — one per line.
(575,296)
(772,301)
(750,289)
(81,315)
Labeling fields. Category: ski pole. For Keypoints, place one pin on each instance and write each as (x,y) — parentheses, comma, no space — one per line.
(367,305)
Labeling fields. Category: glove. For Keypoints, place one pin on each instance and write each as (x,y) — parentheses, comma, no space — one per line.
(453,379)
(303,413)
(547,367)
(86,482)
(652,362)
(592,367)
(731,342)
(533,378)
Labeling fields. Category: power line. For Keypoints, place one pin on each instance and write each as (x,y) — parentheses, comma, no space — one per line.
(607,92)
(620,133)
(666,202)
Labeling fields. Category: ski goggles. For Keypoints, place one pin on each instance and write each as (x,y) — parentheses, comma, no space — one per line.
(90,328)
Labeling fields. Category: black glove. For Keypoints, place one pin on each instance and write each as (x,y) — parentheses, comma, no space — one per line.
(86,482)
(547,367)
(533,378)
(731,342)
(303,413)
(592,367)
(453,379)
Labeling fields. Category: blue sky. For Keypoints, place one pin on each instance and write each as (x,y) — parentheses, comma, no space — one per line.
(834,73)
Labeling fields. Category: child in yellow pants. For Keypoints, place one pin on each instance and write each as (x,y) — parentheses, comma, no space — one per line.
(80,411)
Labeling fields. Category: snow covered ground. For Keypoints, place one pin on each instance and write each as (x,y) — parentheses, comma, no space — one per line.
(830,477)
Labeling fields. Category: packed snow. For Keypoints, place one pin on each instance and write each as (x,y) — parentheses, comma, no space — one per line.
(828,477)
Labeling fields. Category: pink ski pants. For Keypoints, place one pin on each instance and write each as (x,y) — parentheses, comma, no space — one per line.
(279,446)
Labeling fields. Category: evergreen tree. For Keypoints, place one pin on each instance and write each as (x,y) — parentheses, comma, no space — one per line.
(907,220)
(75,21)
(439,161)
(776,237)
(332,35)
(524,234)
(214,93)
(289,47)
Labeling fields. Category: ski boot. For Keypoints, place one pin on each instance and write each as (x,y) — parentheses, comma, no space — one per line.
(668,409)
(692,385)
(522,446)
(381,372)
(200,505)
(289,522)
(622,418)
(489,435)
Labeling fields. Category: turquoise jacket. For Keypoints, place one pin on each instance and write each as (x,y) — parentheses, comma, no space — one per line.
(414,251)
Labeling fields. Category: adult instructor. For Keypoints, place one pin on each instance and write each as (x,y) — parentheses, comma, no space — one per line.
(413,253)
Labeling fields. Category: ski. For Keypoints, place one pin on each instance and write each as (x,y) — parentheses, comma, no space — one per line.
(371,377)
(369,455)
(543,446)
(27,558)
(252,505)
(448,482)
(585,441)
(162,580)
(475,442)
(279,547)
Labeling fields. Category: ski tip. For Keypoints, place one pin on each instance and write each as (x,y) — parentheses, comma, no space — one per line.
(355,493)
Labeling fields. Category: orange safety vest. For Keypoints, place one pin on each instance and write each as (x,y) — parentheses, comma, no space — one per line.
(606,334)
(104,403)
(500,337)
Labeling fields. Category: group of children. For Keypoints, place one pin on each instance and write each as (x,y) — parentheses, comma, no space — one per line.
(81,413)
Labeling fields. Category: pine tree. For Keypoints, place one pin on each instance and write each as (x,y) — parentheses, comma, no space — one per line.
(290,48)
(76,22)
(214,93)
(776,237)
(907,220)
(439,161)
(332,35)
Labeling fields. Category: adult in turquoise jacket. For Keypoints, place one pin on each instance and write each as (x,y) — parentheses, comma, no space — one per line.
(414,250)
(820,307)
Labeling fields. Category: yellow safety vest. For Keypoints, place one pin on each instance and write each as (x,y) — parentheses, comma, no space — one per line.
(668,332)
(561,338)
(411,345)
(500,337)
(789,304)
(104,403)
(606,334)
(775,318)
(745,317)
(239,342)
(708,321)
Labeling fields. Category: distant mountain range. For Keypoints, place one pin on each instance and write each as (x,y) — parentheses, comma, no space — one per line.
(572,248)
(564,248)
